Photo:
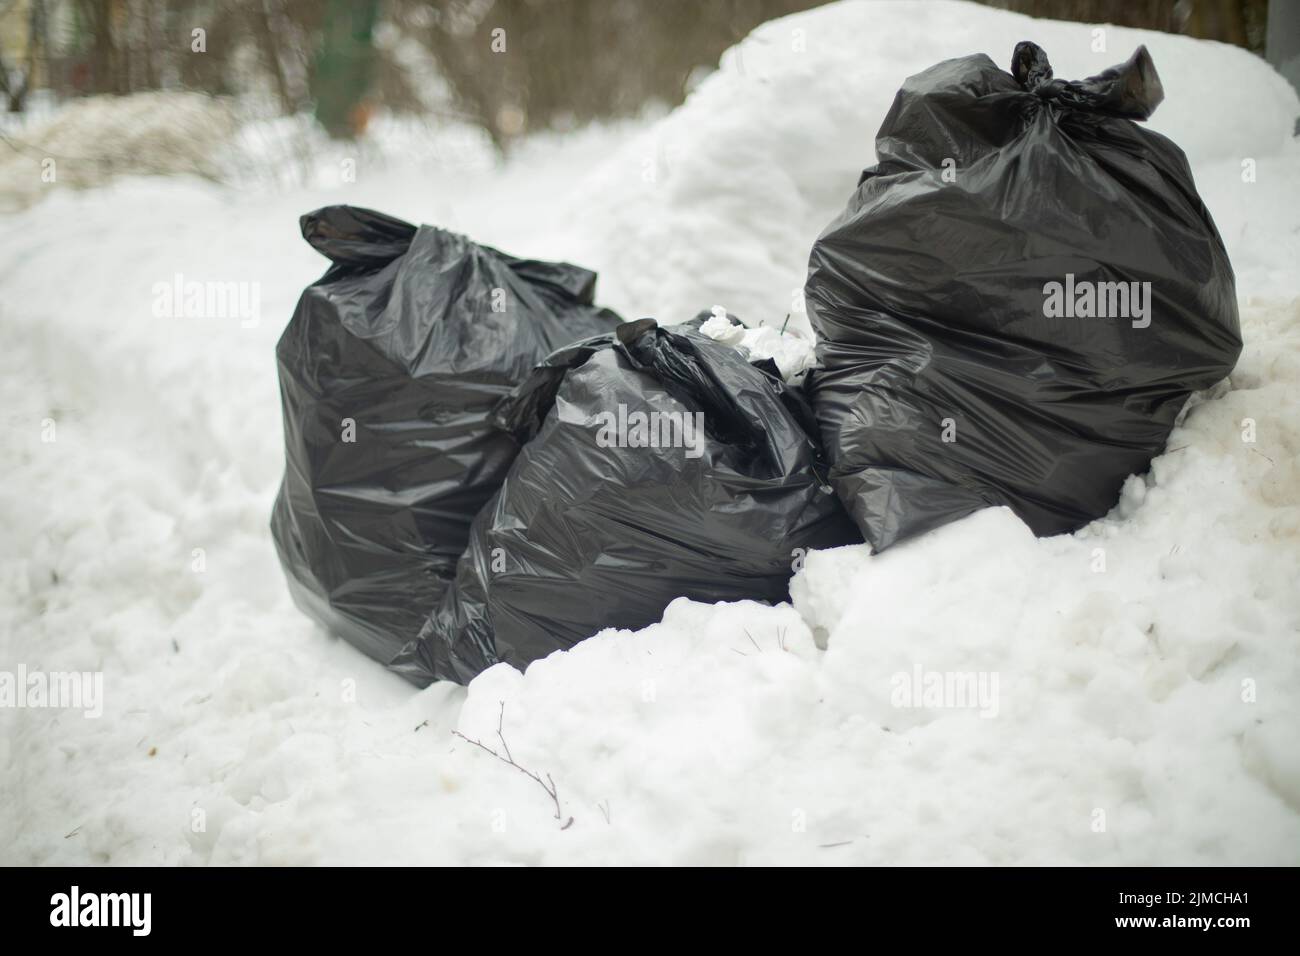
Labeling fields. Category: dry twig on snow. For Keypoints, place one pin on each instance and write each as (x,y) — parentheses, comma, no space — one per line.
(548,784)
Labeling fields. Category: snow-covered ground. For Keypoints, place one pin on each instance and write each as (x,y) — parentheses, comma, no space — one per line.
(1141,679)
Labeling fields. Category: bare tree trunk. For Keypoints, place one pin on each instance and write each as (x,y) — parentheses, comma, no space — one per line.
(103,54)
(269,43)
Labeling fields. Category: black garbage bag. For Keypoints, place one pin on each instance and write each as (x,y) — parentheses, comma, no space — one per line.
(607,516)
(389,370)
(1017,301)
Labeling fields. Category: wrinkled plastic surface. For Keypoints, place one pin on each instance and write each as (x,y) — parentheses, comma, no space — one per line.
(927,296)
(412,336)
(584,536)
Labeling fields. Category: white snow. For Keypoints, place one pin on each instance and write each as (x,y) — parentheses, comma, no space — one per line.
(1147,669)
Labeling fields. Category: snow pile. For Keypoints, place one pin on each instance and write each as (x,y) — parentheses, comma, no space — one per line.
(96,138)
(1124,695)
(243,142)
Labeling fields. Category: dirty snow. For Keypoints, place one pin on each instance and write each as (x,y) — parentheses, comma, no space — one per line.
(1135,687)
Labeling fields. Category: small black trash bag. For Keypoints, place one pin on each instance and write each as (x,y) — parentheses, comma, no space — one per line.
(658,464)
(389,370)
(1017,301)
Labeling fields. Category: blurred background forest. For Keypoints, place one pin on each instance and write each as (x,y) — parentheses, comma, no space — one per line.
(344,60)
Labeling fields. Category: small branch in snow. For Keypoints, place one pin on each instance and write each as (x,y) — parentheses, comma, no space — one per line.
(604,809)
(548,784)
(780,641)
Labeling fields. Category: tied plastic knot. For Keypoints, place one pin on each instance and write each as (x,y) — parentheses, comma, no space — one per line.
(1030,67)
(628,332)
(1132,89)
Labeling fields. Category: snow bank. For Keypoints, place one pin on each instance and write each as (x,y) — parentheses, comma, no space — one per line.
(93,139)
(1124,695)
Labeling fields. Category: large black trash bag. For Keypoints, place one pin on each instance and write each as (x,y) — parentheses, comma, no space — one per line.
(585,534)
(945,384)
(389,370)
